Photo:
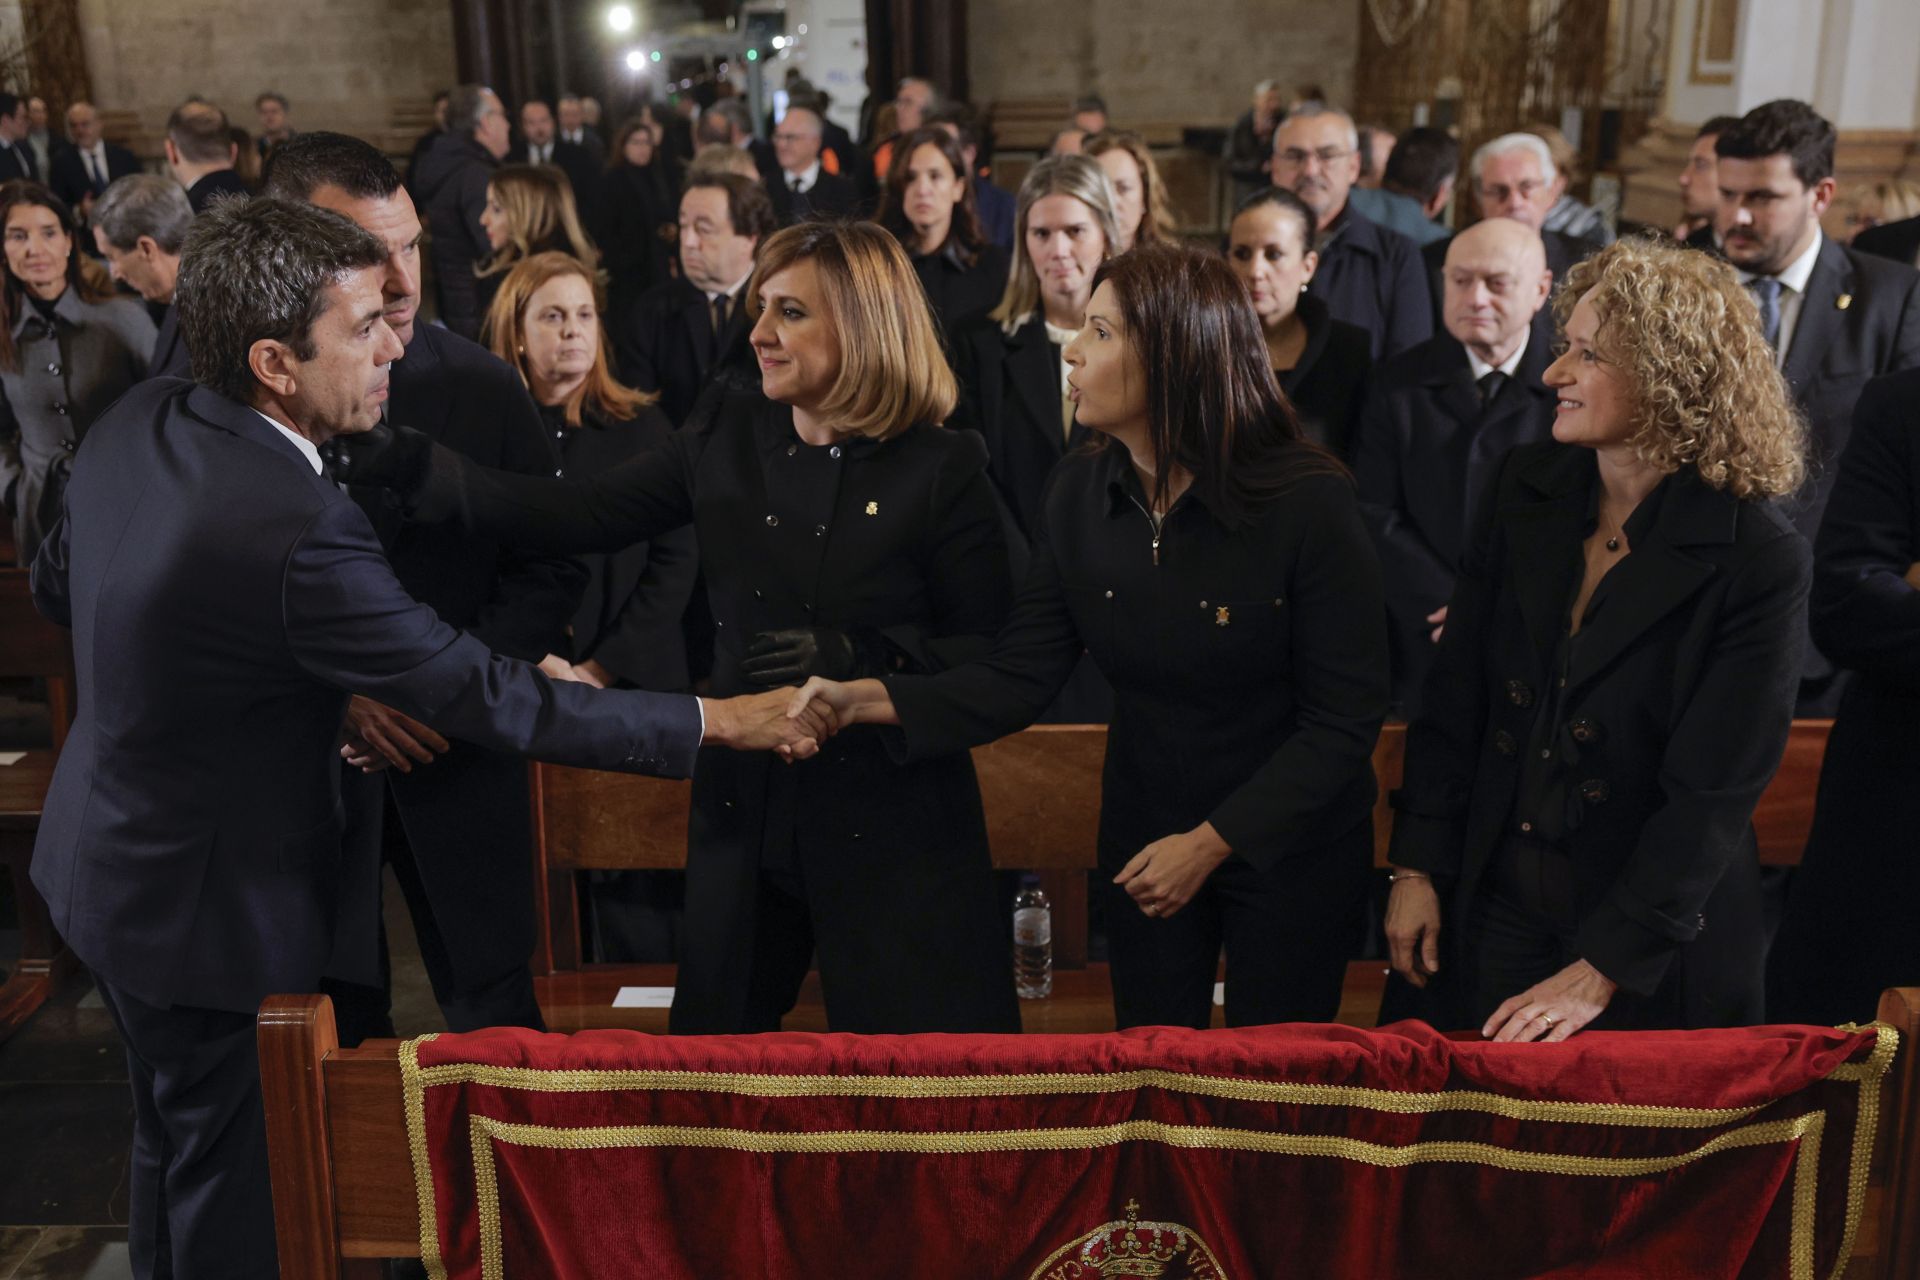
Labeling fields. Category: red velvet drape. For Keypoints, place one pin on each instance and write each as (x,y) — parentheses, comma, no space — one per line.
(1282,1151)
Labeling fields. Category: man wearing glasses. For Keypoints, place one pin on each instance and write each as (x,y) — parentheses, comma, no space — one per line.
(1368,276)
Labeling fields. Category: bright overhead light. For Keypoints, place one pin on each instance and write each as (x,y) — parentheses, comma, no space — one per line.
(779,42)
(636,61)
(620,18)
(803,28)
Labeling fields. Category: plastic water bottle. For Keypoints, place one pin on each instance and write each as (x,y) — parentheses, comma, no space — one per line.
(1032,941)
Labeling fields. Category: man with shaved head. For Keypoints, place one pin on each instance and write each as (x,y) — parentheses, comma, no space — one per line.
(1368,276)
(1438,421)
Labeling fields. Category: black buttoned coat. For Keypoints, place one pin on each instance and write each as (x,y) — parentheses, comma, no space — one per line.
(896,541)
(1686,682)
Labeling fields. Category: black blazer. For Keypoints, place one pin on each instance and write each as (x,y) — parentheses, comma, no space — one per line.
(1423,459)
(1899,241)
(466,813)
(959,293)
(629,615)
(639,227)
(1329,382)
(831,196)
(67,172)
(190,850)
(665,345)
(1848,931)
(170,358)
(1372,278)
(1010,394)
(896,542)
(16,161)
(218,185)
(1248,665)
(1681,693)
(583,174)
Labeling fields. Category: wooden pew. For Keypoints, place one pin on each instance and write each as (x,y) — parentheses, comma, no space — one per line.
(343,1189)
(30,646)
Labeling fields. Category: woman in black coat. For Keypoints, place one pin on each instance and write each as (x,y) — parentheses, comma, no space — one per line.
(1616,679)
(1322,363)
(639,209)
(1215,567)
(1849,932)
(841,531)
(928,205)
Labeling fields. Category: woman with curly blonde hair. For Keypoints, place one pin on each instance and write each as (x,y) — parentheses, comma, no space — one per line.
(1615,680)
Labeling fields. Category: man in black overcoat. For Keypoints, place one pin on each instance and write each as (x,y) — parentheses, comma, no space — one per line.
(1836,316)
(453,820)
(450,181)
(538,144)
(1437,424)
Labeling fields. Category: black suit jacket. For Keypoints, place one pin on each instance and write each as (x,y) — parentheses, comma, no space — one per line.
(666,346)
(466,814)
(831,196)
(1838,945)
(960,293)
(1423,458)
(1372,278)
(190,849)
(16,161)
(1328,384)
(1010,394)
(583,172)
(170,358)
(68,171)
(896,542)
(1686,678)
(218,185)
(1899,241)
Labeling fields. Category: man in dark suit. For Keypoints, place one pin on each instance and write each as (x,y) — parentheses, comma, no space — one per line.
(1836,316)
(728,121)
(16,157)
(1899,241)
(806,189)
(140,226)
(575,131)
(455,827)
(681,334)
(201,154)
(81,172)
(539,145)
(190,850)
(1437,424)
(1368,276)
(450,183)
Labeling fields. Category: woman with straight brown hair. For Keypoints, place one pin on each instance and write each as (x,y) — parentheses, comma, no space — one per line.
(842,532)
(929,205)
(1214,566)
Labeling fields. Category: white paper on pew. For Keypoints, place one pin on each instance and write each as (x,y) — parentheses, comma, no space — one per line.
(644,998)
(1220,993)
(12,757)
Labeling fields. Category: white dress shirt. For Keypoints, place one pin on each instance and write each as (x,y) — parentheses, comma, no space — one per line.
(1793,292)
(804,180)
(308,449)
(1481,368)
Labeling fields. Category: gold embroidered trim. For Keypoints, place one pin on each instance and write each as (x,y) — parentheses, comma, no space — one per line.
(766,1085)
(414,1096)
(1870,1075)
(1805,1129)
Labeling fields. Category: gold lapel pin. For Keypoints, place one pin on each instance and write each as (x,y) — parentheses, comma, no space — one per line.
(873,508)
(1222,616)
(1842,302)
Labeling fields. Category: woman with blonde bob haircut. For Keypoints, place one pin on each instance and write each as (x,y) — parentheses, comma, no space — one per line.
(1616,679)
(843,532)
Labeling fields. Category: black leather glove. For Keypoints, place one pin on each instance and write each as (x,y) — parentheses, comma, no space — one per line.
(790,657)
(387,457)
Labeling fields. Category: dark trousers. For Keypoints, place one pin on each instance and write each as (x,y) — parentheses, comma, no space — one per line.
(1288,933)
(199,1203)
(365,1013)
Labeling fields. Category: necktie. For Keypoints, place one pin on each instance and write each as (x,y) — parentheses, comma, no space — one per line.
(793,182)
(1766,292)
(1490,384)
(719,307)
(95,178)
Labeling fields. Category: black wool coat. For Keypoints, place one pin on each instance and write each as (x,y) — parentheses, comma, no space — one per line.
(1675,715)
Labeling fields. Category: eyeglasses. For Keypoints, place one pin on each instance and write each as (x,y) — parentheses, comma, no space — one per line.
(1295,158)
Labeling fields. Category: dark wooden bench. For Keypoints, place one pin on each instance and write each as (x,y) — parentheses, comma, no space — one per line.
(30,646)
(1041,789)
(343,1189)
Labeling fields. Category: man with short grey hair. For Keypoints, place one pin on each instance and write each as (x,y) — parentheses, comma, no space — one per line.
(140,226)
(451,182)
(190,848)
(806,190)
(1368,276)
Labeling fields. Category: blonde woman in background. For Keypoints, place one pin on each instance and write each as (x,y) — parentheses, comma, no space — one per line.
(530,209)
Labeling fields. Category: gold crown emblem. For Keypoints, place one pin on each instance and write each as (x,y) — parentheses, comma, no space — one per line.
(1149,1250)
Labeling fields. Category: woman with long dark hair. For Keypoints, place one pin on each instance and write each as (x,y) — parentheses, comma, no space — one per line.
(639,210)
(842,531)
(68,348)
(1214,566)
(928,205)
